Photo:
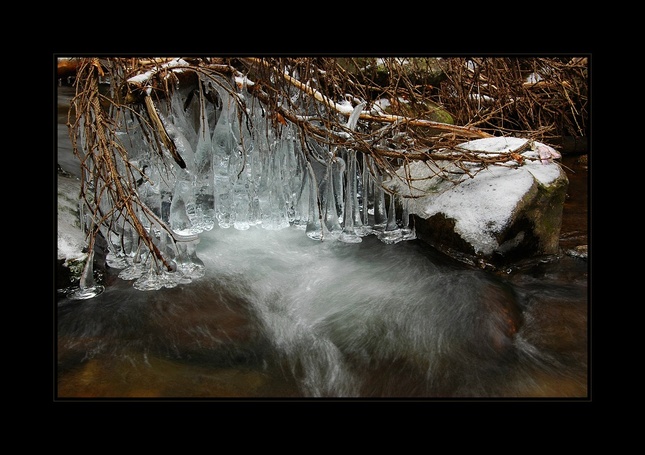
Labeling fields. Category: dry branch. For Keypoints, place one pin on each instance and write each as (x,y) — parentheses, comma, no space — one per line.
(313,94)
(385,118)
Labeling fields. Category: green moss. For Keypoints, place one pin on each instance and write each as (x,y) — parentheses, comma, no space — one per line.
(75,268)
(546,213)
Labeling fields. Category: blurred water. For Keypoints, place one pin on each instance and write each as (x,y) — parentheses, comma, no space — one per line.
(278,315)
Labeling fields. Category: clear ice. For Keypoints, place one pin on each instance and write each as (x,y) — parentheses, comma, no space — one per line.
(245,171)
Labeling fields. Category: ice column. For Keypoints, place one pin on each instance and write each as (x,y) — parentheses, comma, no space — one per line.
(204,215)
(181,197)
(293,172)
(301,203)
(367,196)
(407,230)
(223,143)
(241,187)
(349,234)
(380,213)
(87,287)
(332,198)
(316,228)
(392,232)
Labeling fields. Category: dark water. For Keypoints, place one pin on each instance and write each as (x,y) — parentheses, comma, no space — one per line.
(279,316)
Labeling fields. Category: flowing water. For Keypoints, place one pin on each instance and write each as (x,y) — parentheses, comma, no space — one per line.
(278,315)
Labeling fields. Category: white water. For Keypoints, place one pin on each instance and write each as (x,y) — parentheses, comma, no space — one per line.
(332,319)
(333,310)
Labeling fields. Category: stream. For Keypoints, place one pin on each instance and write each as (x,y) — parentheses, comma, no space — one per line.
(279,316)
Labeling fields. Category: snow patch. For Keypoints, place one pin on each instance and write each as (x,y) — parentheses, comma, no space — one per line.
(484,205)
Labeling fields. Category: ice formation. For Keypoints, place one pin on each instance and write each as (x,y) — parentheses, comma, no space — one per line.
(242,171)
(241,175)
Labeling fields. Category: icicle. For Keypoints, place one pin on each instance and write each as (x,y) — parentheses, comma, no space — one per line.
(178,218)
(292,172)
(244,173)
(380,213)
(407,230)
(252,134)
(339,168)
(271,193)
(279,217)
(223,146)
(392,232)
(240,194)
(241,207)
(149,280)
(331,197)
(301,212)
(349,235)
(204,215)
(183,109)
(87,287)
(129,241)
(189,266)
(367,202)
(136,269)
(116,257)
(315,229)
(166,245)
(361,229)
(353,224)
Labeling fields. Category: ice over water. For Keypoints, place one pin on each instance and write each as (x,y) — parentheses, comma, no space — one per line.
(243,172)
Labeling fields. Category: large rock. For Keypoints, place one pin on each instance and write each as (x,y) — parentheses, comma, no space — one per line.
(501,215)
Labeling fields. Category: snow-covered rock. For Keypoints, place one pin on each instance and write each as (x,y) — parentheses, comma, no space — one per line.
(502,214)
